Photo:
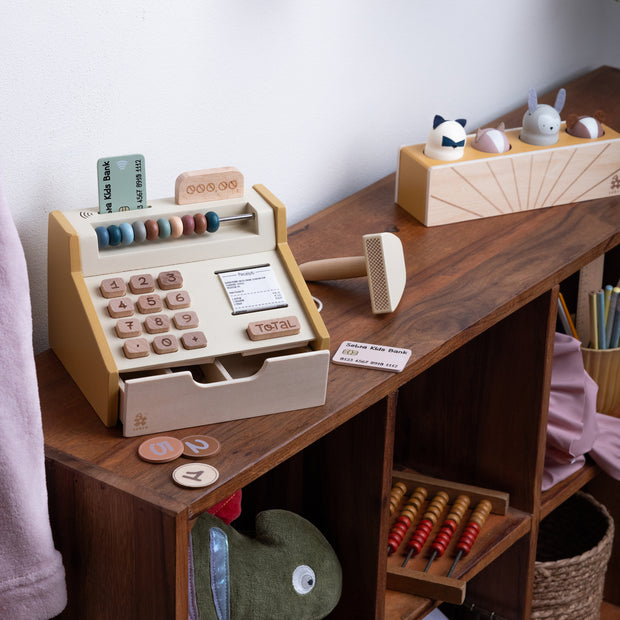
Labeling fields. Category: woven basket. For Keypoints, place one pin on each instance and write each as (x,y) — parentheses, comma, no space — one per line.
(574,545)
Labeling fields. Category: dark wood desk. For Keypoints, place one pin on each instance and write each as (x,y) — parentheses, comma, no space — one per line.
(478,314)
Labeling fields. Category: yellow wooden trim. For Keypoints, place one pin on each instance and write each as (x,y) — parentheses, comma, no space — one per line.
(322,336)
(75,333)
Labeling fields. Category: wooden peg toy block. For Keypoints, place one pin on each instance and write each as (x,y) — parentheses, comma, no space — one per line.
(524,178)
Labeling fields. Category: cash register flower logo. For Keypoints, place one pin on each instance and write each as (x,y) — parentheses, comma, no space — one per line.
(139,421)
(615,183)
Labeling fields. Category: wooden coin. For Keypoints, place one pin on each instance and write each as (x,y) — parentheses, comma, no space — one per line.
(197,446)
(195,475)
(160,449)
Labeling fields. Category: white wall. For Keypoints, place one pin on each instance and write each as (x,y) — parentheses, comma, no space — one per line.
(310,98)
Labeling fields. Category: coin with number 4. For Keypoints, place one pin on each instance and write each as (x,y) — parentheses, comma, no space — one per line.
(195,475)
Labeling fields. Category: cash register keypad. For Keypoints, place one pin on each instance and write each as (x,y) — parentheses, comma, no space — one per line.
(142,322)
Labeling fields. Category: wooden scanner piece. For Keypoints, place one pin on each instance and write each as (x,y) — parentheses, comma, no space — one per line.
(383,262)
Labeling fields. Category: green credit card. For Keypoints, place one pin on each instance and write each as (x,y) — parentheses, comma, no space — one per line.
(122,185)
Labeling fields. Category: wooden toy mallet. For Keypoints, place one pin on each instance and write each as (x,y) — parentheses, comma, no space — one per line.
(383,262)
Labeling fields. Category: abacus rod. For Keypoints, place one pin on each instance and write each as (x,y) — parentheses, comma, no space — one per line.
(459,555)
(242,216)
(430,561)
(407,558)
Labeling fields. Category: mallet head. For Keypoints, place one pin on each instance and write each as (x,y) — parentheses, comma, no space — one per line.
(385,266)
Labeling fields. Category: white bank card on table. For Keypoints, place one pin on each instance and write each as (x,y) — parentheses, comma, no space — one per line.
(392,359)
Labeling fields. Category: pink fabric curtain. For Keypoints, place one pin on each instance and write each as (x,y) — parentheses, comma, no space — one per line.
(32,577)
(574,427)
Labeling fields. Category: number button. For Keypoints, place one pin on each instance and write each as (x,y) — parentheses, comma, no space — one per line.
(136,347)
(165,344)
(149,304)
(120,307)
(157,324)
(194,340)
(168,280)
(185,320)
(113,287)
(176,300)
(128,328)
(142,283)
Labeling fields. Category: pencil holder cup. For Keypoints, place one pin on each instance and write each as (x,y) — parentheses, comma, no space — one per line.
(603,365)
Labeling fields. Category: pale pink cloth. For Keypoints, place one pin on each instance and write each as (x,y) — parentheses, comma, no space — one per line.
(575,428)
(32,577)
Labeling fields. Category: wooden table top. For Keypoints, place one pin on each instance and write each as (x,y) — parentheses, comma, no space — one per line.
(461,279)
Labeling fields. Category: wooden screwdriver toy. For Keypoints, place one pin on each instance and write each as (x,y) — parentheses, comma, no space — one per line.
(405,519)
(430,517)
(471,531)
(450,524)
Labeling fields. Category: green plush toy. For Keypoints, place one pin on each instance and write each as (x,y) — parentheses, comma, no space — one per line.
(288,571)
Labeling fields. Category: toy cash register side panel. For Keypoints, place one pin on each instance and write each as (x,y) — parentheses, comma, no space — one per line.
(74,331)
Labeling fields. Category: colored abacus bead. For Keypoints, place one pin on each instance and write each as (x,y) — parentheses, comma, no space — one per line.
(173,227)
(152,230)
(398,490)
(127,235)
(189,225)
(176,226)
(471,531)
(213,221)
(407,515)
(443,538)
(103,237)
(139,231)
(200,224)
(430,517)
(448,527)
(468,537)
(401,486)
(164,227)
(115,235)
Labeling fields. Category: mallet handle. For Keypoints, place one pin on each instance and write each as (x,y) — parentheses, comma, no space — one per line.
(334,268)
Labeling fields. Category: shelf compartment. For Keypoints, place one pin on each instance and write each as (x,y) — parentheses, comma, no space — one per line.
(413,592)
(564,489)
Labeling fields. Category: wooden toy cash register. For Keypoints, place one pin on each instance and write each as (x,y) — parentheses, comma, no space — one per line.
(186,312)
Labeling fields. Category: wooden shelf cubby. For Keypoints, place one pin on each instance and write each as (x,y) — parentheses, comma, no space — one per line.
(479,315)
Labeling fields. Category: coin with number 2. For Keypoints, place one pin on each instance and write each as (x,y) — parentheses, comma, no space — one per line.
(197,446)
